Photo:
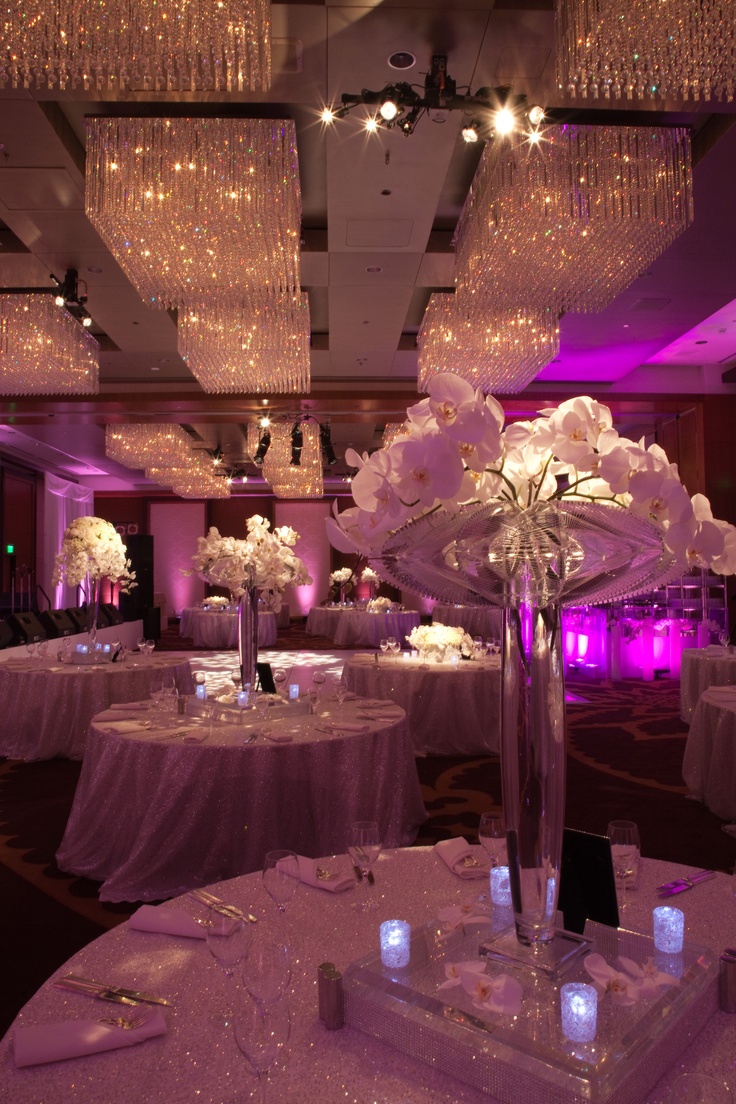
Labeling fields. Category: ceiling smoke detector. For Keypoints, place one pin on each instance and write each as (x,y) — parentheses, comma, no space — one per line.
(402,59)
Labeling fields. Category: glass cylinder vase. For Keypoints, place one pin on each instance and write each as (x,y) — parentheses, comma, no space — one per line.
(248,635)
(92,591)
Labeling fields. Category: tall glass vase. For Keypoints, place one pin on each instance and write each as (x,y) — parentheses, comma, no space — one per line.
(248,635)
(92,593)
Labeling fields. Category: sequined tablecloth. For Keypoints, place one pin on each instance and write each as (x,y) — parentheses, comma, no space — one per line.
(709,764)
(450,710)
(219,628)
(323,620)
(47,706)
(357,629)
(155,815)
(476,620)
(701,668)
(198,1062)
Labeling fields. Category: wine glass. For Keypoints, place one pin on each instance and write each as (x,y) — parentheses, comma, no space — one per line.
(383,645)
(31,649)
(281,877)
(626,853)
(279,677)
(261,1035)
(227,941)
(236,678)
(169,694)
(492,836)
(267,972)
(478,647)
(42,650)
(364,848)
(150,645)
(318,679)
(341,690)
(723,639)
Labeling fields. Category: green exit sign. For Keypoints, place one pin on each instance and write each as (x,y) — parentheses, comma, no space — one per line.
(10,549)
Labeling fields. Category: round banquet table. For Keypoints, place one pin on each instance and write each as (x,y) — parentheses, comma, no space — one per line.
(48,705)
(357,629)
(219,628)
(709,763)
(161,810)
(323,620)
(197,1061)
(701,668)
(482,621)
(450,710)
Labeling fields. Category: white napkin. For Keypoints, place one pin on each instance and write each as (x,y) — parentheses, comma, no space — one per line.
(130,705)
(453,853)
(714,650)
(333,726)
(308,874)
(278,737)
(726,691)
(74,1038)
(114,715)
(121,727)
(386,714)
(168,921)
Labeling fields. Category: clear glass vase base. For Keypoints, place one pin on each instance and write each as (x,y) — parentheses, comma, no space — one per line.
(552,959)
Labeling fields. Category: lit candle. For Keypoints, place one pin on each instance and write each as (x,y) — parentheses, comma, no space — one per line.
(201,687)
(293,691)
(243,696)
(669,929)
(407,656)
(579,1008)
(500,886)
(395,943)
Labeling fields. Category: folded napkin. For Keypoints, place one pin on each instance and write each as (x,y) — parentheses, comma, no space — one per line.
(74,1038)
(383,714)
(454,853)
(167,921)
(114,715)
(130,705)
(119,728)
(279,737)
(334,726)
(714,650)
(308,872)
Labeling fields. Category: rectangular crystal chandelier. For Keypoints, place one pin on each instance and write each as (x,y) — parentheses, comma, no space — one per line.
(142,445)
(43,350)
(568,224)
(680,49)
(499,352)
(192,482)
(393,430)
(303,480)
(163,45)
(255,344)
(191,206)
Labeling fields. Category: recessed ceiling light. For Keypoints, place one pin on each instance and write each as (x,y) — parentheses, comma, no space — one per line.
(155,368)
(94,268)
(701,342)
(374,268)
(402,59)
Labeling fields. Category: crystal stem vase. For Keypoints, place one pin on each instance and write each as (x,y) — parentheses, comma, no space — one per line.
(533,757)
(92,589)
(248,635)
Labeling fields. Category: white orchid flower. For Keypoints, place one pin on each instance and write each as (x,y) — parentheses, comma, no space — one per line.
(455,971)
(426,469)
(456,411)
(606,979)
(648,978)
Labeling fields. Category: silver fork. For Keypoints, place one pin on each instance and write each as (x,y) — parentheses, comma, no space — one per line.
(135,1019)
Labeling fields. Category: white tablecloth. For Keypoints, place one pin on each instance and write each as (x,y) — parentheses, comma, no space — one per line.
(219,628)
(701,668)
(198,1061)
(323,621)
(709,764)
(449,710)
(47,706)
(153,817)
(476,620)
(357,629)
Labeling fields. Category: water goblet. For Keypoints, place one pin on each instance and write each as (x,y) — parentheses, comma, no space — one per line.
(141,645)
(281,877)
(261,1035)
(383,645)
(169,694)
(341,690)
(364,848)
(626,853)
(42,650)
(31,649)
(492,836)
(267,972)
(279,677)
(318,679)
(723,640)
(227,941)
(391,642)
(478,647)
(236,678)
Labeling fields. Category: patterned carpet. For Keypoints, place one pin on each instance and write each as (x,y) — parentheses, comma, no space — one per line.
(625,742)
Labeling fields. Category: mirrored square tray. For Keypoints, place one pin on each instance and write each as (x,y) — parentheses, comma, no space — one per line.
(527,1057)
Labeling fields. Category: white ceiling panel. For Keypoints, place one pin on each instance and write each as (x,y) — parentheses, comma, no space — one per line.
(374,269)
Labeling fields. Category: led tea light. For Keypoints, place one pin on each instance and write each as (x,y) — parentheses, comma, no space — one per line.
(395,943)
(579,1009)
(500,886)
(201,687)
(293,691)
(243,696)
(669,929)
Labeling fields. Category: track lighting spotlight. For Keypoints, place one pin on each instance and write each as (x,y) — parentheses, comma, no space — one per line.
(263,446)
(471,132)
(325,440)
(297,443)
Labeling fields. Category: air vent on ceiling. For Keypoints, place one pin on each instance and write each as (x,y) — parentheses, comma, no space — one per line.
(648,305)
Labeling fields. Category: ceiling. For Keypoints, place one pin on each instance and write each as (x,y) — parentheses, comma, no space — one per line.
(378,217)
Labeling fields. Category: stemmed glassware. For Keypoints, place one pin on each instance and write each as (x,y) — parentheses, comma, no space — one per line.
(383,645)
(141,645)
(492,837)
(279,677)
(341,690)
(626,853)
(31,649)
(261,1035)
(723,640)
(228,938)
(281,877)
(267,972)
(364,848)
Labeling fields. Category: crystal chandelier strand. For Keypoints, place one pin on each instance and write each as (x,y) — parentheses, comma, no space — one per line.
(161,45)
(43,350)
(568,224)
(499,352)
(254,344)
(142,445)
(682,50)
(303,480)
(176,199)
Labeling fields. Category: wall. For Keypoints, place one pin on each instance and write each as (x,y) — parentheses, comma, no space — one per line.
(175,527)
(307,517)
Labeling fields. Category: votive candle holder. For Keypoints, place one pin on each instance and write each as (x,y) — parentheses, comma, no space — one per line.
(395,943)
(500,886)
(669,929)
(579,1010)
(293,691)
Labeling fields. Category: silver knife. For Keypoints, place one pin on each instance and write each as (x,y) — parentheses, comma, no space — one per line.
(109,992)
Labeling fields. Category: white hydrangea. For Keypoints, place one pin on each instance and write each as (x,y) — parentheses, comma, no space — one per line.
(92,547)
(437,638)
(341,576)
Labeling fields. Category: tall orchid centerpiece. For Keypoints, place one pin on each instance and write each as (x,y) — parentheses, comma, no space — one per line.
(372,578)
(559,509)
(92,550)
(265,561)
(341,583)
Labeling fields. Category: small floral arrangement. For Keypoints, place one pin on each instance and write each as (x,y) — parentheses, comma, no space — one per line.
(92,547)
(438,638)
(380,605)
(631,983)
(368,575)
(216,603)
(263,560)
(341,577)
